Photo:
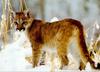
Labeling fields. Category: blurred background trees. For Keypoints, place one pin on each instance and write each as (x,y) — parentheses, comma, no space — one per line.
(46,9)
(87,11)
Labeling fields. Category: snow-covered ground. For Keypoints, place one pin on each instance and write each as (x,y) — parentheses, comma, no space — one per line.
(12,57)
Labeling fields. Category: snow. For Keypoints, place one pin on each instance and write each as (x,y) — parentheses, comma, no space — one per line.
(54,19)
(12,57)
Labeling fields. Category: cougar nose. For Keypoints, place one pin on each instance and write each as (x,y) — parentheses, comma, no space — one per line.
(23,29)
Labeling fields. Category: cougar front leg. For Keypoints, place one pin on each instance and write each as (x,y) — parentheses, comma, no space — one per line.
(36,52)
(82,66)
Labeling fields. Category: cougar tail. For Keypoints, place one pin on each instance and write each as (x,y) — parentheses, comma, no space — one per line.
(84,54)
(84,51)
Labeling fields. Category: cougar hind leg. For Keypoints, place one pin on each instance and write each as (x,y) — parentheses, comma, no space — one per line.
(43,57)
(62,54)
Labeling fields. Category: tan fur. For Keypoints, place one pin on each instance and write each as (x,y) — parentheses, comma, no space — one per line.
(55,35)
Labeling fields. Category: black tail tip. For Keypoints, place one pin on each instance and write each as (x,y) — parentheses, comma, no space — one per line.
(98,66)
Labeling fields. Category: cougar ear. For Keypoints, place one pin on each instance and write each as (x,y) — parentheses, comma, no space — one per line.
(27,13)
(13,14)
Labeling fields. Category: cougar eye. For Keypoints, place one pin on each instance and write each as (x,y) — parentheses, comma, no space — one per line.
(94,51)
(16,23)
(23,22)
